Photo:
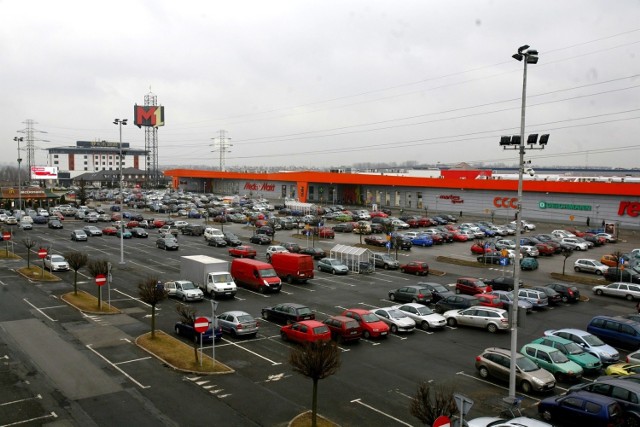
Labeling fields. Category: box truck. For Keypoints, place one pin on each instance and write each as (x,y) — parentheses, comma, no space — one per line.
(255,274)
(293,267)
(209,274)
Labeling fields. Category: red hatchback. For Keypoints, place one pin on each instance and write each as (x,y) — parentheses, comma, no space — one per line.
(306,331)
(480,249)
(343,328)
(490,300)
(419,268)
(471,286)
(242,251)
(109,231)
(326,232)
(372,326)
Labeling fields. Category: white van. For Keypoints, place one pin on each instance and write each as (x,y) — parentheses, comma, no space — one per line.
(211,232)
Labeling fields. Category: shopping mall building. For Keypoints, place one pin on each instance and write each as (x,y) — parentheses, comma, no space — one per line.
(612,199)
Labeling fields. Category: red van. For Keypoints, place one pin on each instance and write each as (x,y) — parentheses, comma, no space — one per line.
(258,275)
(293,267)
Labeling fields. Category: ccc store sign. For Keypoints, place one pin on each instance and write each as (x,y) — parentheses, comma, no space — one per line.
(506,202)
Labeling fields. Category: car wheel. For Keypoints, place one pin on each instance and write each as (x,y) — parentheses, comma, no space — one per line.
(402,270)
(483,371)
(386,266)
(265,315)
(598,273)
(565,298)
(424,325)
(289,279)
(457,291)
(491,327)
(632,421)
(392,297)
(184,298)
(333,271)
(417,273)
(177,331)
(452,322)
(394,329)
(598,292)
(366,335)
(415,301)
(546,415)
(526,386)
(629,297)
(576,269)
(284,336)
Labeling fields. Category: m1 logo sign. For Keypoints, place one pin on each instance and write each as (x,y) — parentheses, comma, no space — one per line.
(629,208)
(506,202)
(150,116)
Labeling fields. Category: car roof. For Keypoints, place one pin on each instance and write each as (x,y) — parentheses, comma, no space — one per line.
(494,309)
(341,318)
(358,310)
(541,347)
(592,397)
(557,339)
(578,332)
(310,323)
(292,304)
(236,313)
(411,304)
(617,319)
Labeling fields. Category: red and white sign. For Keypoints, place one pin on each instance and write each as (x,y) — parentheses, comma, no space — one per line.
(201,325)
(101,279)
(6,235)
(42,253)
(442,421)
(44,172)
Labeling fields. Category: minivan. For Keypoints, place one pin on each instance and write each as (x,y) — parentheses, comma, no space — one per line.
(255,274)
(616,331)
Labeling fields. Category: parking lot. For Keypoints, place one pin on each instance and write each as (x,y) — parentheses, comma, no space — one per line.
(377,378)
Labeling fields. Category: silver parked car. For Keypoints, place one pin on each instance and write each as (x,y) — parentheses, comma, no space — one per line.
(538,299)
(184,290)
(630,291)
(424,317)
(496,362)
(238,323)
(590,266)
(489,318)
(397,320)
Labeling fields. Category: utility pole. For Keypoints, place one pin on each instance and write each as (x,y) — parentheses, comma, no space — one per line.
(30,138)
(222,144)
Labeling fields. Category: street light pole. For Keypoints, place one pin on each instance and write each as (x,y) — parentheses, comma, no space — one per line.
(120,123)
(530,56)
(18,140)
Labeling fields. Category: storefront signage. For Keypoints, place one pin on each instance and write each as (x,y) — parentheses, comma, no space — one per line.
(569,206)
(629,208)
(505,202)
(454,199)
(265,186)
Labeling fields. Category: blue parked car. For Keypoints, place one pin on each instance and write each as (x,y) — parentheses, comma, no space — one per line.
(582,409)
(186,330)
(194,214)
(422,240)
(616,331)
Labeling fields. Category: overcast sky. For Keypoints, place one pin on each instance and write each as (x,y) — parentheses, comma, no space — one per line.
(326,83)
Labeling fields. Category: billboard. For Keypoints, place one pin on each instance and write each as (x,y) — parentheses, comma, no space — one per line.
(152,116)
(44,172)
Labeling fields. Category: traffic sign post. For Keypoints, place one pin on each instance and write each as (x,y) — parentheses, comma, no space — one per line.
(101,279)
(200,326)
(42,253)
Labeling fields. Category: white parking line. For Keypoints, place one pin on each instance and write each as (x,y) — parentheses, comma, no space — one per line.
(303,288)
(133,360)
(252,352)
(117,368)
(21,400)
(40,311)
(255,293)
(144,266)
(496,385)
(359,401)
(135,299)
(50,415)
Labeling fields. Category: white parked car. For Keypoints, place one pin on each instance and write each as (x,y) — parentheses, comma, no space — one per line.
(574,243)
(399,224)
(184,290)
(629,291)
(11,220)
(505,244)
(180,224)
(530,251)
(500,422)
(424,317)
(275,249)
(56,263)
(561,234)
(590,266)
(525,225)
(397,320)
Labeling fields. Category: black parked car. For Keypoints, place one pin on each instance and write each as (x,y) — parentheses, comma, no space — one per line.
(168,243)
(490,258)
(343,228)
(456,302)
(614,274)
(231,239)
(139,232)
(503,283)
(54,223)
(261,239)
(292,247)
(288,313)
(568,293)
(437,290)
(553,296)
(403,244)
(217,241)
(316,253)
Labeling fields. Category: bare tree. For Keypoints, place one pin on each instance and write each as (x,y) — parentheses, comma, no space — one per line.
(76,260)
(29,243)
(151,293)
(188,316)
(431,401)
(97,267)
(566,253)
(316,360)
(361,228)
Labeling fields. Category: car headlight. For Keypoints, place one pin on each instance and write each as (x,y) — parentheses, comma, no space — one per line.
(538,381)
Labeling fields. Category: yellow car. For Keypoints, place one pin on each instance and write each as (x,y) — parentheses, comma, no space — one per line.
(622,369)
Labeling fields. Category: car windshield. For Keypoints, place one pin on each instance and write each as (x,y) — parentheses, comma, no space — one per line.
(245,319)
(396,314)
(334,262)
(188,285)
(370,318)
(439,288)
(268,272)
(424,311)
(318,330)
(57,258)
(526,365)
(592,340)
(573,348)
(557,357)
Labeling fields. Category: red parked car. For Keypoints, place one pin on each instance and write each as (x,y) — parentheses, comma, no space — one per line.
(158,223)
(380,214)
(413,222)
(109,231)
(133,224)
(326,232)
(306,331)
(372,326)
(343,328)
(489,300)
(471,286)
(459,237)
(242,251)
(375,241)
(425,222)
(480,249)
(419,268)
